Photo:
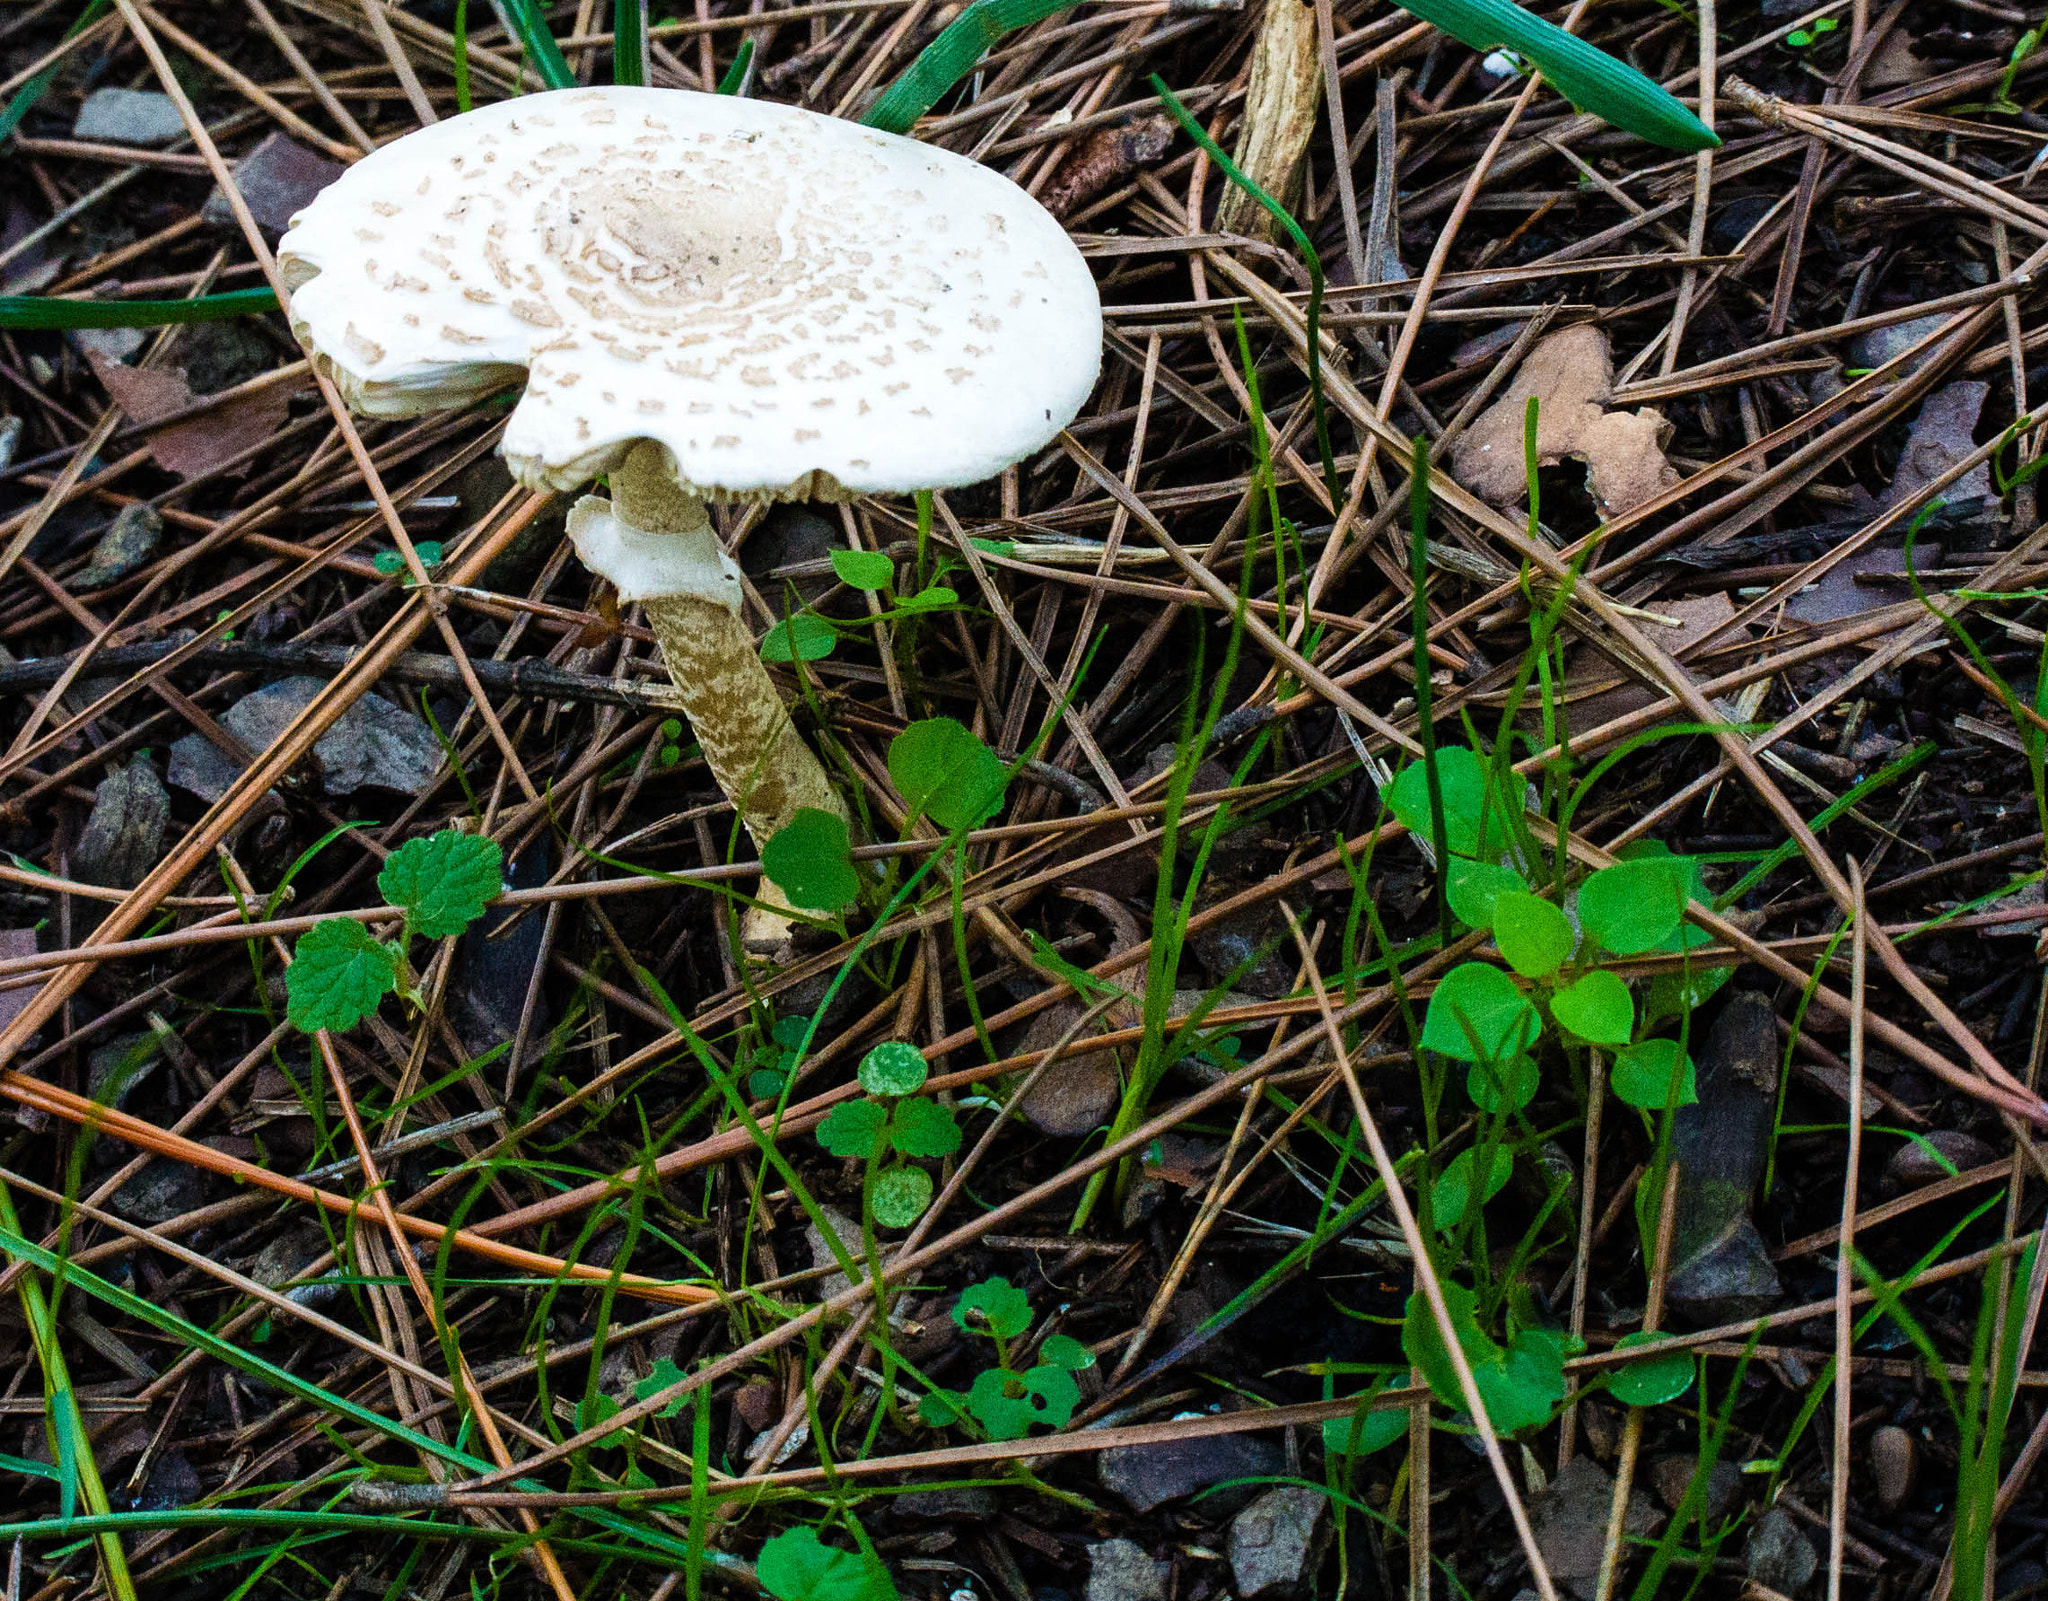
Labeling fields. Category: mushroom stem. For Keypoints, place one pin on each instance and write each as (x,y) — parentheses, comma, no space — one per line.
(653,540)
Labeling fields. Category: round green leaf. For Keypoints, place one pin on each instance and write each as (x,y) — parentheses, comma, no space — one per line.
(863,569)
(900,1196)
(1503,1086)
(803,636)
(442,881)
(993,1306)
(1526,1387)
(1534,936)
(797,1566)
(1064,1351)
(1472,826)
(1635,906)
(1452,1193)
(893,1068)
(1477,1014)
(1652,1380)
(1007,1404)
(1597,1008)
(1473,888)
(338,975)
(810,856)
(853,1128)
(1652,1074)
(1364,1433)
(921,1127)
(933,597)
(944,770)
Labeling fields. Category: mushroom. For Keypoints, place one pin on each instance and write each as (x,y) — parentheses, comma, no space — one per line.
(709,298)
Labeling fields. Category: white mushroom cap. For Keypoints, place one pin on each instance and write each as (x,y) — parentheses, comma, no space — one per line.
(791,304)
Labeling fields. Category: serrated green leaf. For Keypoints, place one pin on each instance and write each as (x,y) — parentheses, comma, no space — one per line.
(1064,1351)
(894,1067)
(1534,936)
(1597,1008)
(338,975)
(1503,1086)
(1007,1404)
(797,1566)
(443,881)
(802,637)
(811,857)
(853,1128)
(1473,888)
(900,1195)
(1652,1380)
(1451,1195)
(863,569)
(943,770)
(1643,1073)
(1477,1014)
(993,1306)
(1635,906)
(922,1127)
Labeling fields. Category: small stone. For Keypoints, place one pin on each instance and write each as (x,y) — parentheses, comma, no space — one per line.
(128,117)
(759,1403)
(1570,1520)
(163,1190)
(14,999)
(277,179)
(1120,1570)
(1076,1093)
(1895,1464)
(284,1258)
(372,745)
(124,837)
(1780,1557)
(1672,1476)
(130,540)
(1914,1163)
(1146,1476)
(960,1505)
(1603,1425)
(821,1250)
(1880,345)
(1274,1542)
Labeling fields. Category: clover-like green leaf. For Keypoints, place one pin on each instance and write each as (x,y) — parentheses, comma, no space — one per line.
(894,1067)
(943,770)
(1636,905)
(443,881)
(1503,1086)
(1534,936)
(797,1566)
(853,1128)
(923,1127)
(1474,887)
(900,1196)
(1652,1074)
(664,1373)
(1007,1404)
(811,857)
(1477,1014)
(804,637)
(864,569)
(1064,1351)
(1451,1195)
(993,1306)
(1473,825)
(338,975)
(941,1407)
(1597,1008)
(1650,1380)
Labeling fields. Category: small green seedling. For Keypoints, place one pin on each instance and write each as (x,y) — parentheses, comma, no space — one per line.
(1521,1382)
(1006,1400)
(1650,1380)
(893,1118)
(1800,38)
(773,1063)
(806,636)
(340,970)
(391,563)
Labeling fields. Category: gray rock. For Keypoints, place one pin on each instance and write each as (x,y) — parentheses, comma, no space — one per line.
(1914,1164)
(1672,1476)
(130,540)
(1249,950)
(1275,1542)
(821,1251)
(1720,1267)
(14,998)
(1895,1464)
(1570,1519)
(1076,1093)
(173,1483)
(1780,1557)
(277,179)
(1119,1570)
(948,1505)
(1879,345)
(1146,1476)
(124,836)
(128,117)
(161,1191)
(373,745)
(107,344)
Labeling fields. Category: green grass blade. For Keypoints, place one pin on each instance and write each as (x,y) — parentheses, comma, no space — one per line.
(459,55)
(41,311)
(1588,77)
(28,94)
(951,56)
(735,78)
(629,42)
(530,22)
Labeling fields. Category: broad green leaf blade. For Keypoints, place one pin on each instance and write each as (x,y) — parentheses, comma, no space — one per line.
(1652,1074)
(1475,888)
(1462,777)
(1477,1014)
(44,312)
(951,56)
(797,1566)
(1589,78)
(1534,936)
(994,1306)
(1064,1351)
(800,637)
(1451,1195)
(900,1196)
(863,569)
(443,881)
(922,1127)
(1503,1086)
(735,79)
(1652,1380)
(853,1128)
(943,770)
(811,858)
(629,42)
(894,1067)
(1365,1433)
(1423,1344)
(1597,1008)
(1635,906)
(339,973)
(529,21)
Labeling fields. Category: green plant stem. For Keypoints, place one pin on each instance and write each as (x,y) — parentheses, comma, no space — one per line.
(1425,727)
(459,56)
(63,1415)
(629,43)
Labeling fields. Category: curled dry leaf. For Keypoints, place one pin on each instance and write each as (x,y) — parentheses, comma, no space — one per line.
(1570,374)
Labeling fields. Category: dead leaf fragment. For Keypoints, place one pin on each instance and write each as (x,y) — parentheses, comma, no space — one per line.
(1570,374)
(210,439)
